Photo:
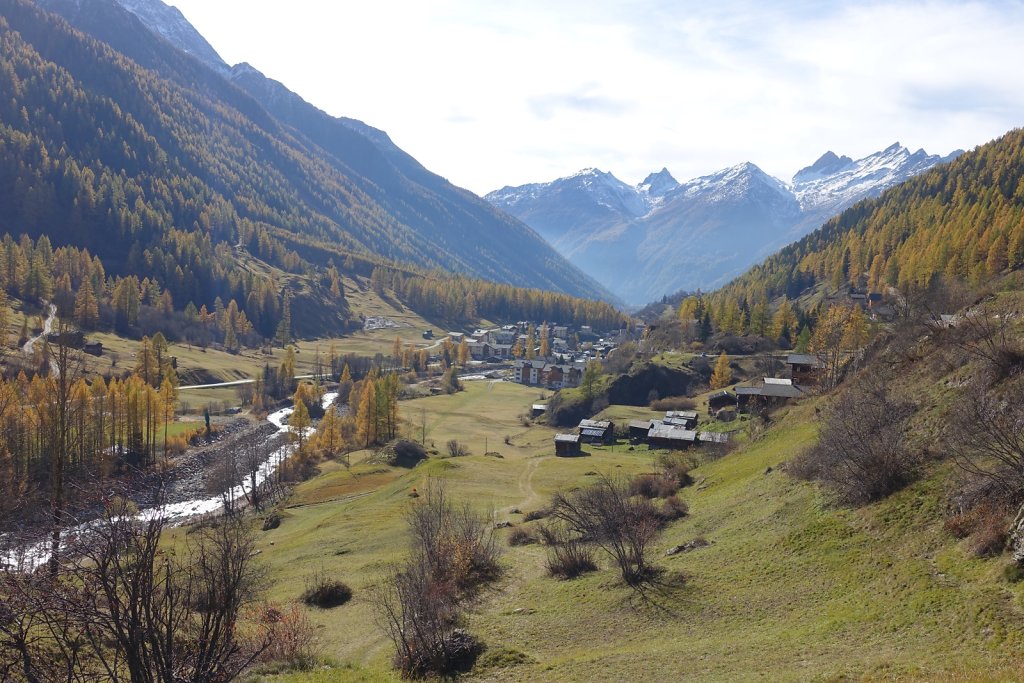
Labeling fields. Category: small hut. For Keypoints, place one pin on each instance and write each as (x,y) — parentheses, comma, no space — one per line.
(670,436)
(638,429)
(597,431)
(567,445)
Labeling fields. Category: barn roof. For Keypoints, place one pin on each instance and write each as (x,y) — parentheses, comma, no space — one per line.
(713,437)
(804,359)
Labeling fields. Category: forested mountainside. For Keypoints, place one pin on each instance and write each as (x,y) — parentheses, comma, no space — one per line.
(963,220)
(153,160)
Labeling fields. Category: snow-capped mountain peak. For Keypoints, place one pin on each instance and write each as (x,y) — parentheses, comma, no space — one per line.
(734,181)
(702,232)
(839,181)
(171,24)
(657,185)
(592,185)
(826,165)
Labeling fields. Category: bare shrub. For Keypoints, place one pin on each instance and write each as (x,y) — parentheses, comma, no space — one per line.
(622,525)
(521,536)
(534,515)
(672,509)
(456,449)
(125,609)
(292,635)
(568,555)
(325,592)
(985,434)
(674,403)
(986,333)
(422,603)
(676,467)
(423,616)
(653,486)
(457,543)
(861,455)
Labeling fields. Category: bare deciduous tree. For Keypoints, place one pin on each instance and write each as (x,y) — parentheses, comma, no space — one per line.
(862,453)
(422,603)
(623,526)
(124,608)
(985,434)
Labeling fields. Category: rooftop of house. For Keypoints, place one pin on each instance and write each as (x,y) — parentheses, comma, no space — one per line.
(672,432)
(803,359)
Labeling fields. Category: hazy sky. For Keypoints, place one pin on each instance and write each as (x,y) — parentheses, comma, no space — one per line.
(490,94)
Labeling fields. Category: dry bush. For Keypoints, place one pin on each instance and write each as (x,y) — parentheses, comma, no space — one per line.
(534,515)
(422,603)
(623,525)
(325,592)
(458,544)
(861,455)
(292,635)
(990,532)
(521,536)
(423,617)
(985,525)
(676,467)
(672,509)
(653,486)
(674,403)
(456,449)
(568,556)
(986,333)
(985,434)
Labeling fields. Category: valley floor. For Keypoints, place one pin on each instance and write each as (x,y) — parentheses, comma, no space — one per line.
(789,588)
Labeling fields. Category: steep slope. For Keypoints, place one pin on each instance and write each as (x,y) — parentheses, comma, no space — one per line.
(660,237)
(962,220)
(270,171)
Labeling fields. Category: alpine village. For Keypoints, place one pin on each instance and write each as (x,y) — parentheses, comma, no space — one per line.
(279,404)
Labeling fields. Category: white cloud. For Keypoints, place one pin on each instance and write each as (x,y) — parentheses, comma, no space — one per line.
(488,94)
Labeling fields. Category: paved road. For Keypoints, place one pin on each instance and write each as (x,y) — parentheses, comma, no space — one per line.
(234,383)
(29,347)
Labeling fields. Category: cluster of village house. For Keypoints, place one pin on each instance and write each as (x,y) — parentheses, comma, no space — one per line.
(678,429)
(562,368)
(496,344)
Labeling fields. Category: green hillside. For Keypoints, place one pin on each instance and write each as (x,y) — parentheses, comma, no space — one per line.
(790,587)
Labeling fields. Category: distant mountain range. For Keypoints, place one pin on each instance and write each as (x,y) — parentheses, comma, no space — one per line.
(275,161)
(662,236)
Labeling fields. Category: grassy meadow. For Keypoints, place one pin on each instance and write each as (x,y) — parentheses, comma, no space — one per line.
(790,588)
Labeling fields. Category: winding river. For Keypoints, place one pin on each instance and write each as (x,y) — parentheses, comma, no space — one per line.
(34,555)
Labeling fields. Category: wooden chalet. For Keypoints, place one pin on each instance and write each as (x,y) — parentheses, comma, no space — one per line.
(597,431)
(805,368)
(682,418)
(638,429)
(670,436)
(93,348)
(567,445)
(712,437)
(744,396)
(772,392)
